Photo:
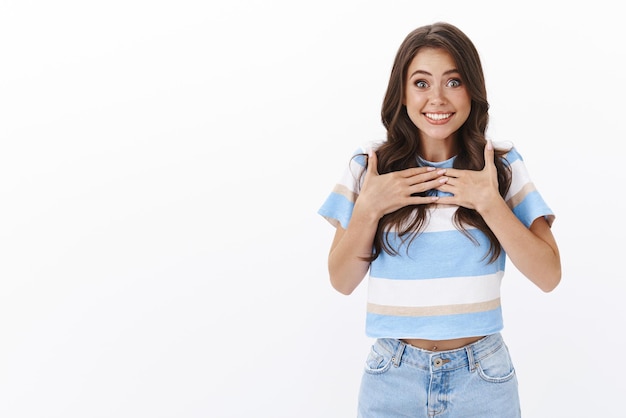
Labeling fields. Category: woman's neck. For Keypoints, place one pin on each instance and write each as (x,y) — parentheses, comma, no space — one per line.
(438,151)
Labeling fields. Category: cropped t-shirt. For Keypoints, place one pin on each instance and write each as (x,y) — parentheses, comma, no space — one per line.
(442,286)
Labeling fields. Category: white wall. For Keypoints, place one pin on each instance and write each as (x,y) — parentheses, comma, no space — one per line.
(161,166)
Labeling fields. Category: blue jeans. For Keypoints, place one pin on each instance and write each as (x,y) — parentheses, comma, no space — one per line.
(477,380)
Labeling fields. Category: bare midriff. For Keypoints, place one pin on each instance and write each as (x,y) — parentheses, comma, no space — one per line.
(441,345)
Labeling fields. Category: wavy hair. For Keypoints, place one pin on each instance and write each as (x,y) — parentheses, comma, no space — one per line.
(400,150)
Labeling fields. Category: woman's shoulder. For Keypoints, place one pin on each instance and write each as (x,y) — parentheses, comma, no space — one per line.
(361,151)
(511,152)
(367,146)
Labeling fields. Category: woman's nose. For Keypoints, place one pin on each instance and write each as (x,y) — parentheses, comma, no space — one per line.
(437,96)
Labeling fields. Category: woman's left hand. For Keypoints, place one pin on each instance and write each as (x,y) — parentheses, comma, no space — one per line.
(472,189)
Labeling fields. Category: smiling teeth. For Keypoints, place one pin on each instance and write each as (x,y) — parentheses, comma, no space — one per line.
(438,116)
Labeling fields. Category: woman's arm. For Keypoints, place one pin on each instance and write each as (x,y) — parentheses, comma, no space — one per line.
(350,248)
(533,250)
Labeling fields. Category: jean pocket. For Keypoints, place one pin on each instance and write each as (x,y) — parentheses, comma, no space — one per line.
(377,363)
(496,367)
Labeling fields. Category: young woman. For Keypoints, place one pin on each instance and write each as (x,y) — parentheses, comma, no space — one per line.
(431,213)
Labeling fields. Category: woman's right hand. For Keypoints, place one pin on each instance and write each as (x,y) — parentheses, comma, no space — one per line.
(380,194)
(386,193)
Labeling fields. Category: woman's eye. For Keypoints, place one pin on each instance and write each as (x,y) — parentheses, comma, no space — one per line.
(421,84)
(454,82)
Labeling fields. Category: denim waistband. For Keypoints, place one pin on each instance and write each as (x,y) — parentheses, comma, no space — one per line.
(434,361)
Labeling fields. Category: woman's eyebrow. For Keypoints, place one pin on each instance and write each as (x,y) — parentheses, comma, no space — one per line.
(424,72)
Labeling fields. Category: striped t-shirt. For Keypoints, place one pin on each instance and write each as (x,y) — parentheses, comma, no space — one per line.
(443,287)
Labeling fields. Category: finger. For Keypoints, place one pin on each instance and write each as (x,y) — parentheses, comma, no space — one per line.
(422,200)
(454,172)
(490,165)
(425,175)
(428,185)
(372,163)
(419,171)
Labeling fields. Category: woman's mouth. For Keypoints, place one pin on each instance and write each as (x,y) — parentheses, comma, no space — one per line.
(438,117)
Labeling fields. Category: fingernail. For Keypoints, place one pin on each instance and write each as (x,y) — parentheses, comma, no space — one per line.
(430,169)
(489,144)
(441,171)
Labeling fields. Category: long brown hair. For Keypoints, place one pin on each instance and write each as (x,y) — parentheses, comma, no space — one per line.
(400,150)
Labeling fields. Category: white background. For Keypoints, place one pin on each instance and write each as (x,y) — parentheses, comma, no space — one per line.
(162,163)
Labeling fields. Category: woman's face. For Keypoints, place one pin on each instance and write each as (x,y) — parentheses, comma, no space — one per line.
(435,97)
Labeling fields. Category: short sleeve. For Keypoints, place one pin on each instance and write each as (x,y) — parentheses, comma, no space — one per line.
(338,206)
(523,197)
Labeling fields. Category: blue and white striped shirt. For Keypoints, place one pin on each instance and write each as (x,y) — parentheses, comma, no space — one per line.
(442,286)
